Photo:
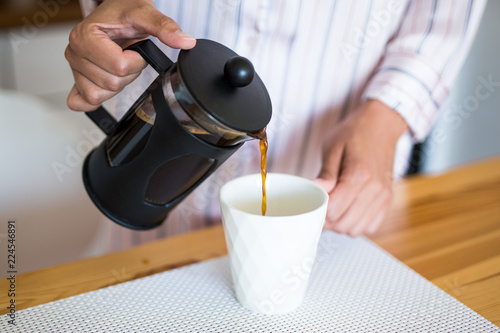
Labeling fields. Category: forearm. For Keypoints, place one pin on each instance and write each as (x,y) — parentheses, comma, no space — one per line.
(423,59)
(389,123)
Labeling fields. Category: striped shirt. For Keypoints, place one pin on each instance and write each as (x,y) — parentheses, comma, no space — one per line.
(319,61)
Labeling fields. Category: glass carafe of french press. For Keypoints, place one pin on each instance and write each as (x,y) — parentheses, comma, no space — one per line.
(193,117)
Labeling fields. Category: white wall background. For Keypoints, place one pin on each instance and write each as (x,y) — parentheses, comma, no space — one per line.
(6,72)
(468,128)
(34,63)
(56,221)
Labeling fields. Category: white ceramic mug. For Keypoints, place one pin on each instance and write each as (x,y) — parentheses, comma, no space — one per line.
(271,256)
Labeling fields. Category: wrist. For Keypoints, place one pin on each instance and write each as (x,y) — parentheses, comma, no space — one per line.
(391,124)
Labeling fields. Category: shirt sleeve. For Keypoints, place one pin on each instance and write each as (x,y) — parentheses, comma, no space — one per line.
(423,59)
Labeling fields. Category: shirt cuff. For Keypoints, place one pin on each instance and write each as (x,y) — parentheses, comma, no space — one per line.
(408,85)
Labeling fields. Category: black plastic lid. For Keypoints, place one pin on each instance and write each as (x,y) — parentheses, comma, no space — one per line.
(232,94)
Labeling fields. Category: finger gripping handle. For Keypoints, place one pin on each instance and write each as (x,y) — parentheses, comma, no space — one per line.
(156,58)
(152,54)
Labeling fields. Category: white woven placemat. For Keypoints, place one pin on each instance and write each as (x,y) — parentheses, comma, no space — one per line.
(355,287)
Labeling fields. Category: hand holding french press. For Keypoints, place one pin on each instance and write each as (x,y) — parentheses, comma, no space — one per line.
(101,68)
(195,115)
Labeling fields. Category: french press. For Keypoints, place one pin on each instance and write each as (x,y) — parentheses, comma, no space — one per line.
(191,119)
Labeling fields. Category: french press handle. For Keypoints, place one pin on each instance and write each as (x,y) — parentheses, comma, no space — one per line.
(155,58)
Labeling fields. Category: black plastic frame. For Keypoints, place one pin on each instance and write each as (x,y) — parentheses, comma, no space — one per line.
(119,191)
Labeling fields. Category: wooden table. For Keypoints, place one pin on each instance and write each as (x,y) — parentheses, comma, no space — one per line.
(446,227)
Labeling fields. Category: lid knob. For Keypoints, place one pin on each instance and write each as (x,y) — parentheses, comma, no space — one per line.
(239,71)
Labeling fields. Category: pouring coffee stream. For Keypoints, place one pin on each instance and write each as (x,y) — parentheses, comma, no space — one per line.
(193,117)
(263,144)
